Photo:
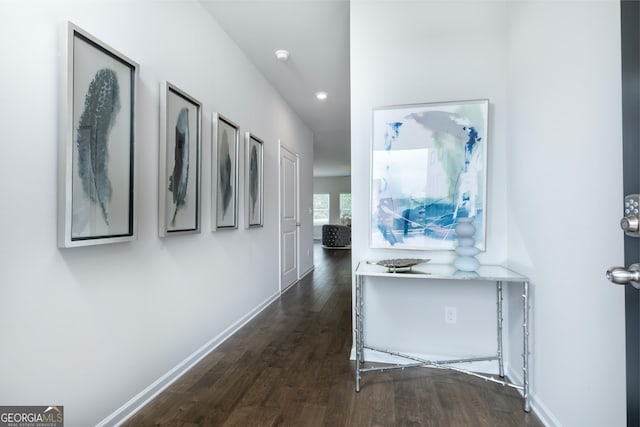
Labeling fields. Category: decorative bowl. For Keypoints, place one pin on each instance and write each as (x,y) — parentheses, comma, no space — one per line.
(393,265)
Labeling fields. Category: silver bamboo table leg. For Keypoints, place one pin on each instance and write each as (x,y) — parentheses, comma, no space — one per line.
(500,348)
(358,329)
(361,323)
(525,354)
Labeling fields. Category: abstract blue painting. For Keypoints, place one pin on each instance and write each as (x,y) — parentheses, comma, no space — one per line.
(428,168)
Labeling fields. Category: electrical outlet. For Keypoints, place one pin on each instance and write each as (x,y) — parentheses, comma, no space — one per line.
(450,315)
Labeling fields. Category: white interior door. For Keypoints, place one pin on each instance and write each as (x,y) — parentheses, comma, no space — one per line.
(288,218)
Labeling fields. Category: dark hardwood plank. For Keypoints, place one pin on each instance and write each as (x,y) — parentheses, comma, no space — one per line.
(290,367)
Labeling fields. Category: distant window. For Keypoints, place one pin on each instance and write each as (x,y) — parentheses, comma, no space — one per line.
(345,207)
(320,209)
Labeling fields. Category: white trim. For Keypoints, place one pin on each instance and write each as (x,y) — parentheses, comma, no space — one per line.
(289,287)
(514,374)
(280,216)
(542,412)
(309,271)
(127,410)
(298,281)
(281,147)
(540,409)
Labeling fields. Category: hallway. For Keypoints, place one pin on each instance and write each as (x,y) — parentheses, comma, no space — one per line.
(289,367)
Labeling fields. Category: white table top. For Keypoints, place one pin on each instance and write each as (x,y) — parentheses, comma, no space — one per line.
(428,270)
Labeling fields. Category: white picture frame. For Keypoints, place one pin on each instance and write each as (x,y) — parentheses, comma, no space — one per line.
(225,173)
(254,180)
(96,203)
(179,172)
(428,168)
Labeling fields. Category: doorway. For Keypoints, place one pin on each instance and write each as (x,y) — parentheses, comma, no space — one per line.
(289,218)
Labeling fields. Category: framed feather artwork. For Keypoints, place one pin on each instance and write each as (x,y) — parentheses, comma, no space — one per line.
(254,176)
(96,147)
(180,164)
(225,173)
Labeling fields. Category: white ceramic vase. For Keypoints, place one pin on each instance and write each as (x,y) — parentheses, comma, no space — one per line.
(466,250)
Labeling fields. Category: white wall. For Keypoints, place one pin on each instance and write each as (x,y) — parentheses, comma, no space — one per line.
(334,186)
(89,328)
(551,71)
(565,147)
(428,52)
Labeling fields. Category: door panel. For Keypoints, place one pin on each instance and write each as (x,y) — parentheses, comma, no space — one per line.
(288,217)
(630,23)
(289,255)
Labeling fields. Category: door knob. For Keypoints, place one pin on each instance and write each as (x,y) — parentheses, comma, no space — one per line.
(621,276)
(630,224)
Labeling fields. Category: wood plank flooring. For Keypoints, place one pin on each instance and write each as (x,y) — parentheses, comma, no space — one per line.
(290,367)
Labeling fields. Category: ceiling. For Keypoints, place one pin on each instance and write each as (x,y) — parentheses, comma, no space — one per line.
(316,34)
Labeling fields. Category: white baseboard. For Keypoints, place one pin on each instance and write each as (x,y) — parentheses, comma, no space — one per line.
(489,367)
(300,277)
(542,412)
(515,375)
(290,286)
(127,410)
(309,270)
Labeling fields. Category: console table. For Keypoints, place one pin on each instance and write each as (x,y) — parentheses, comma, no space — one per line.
(424,273)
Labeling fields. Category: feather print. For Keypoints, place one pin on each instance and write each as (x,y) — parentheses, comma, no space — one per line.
(101,106)
(225,172)
(180,176)
(253,179)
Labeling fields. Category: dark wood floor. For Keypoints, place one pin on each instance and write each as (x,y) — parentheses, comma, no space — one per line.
(290,367)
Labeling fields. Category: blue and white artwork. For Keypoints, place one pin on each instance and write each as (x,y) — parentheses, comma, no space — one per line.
(428,169)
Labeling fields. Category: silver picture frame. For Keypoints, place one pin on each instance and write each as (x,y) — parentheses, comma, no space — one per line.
(428,168)
(179,172)
(225,173)
(96,158)
(254,180)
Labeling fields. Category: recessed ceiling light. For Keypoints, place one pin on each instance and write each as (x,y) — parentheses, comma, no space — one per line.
(282,55)
(321,95)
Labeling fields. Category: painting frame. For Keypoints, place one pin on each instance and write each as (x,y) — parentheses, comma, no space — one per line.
(179,183)
(428,168)
(96,150)
(224,169)
(254,180)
